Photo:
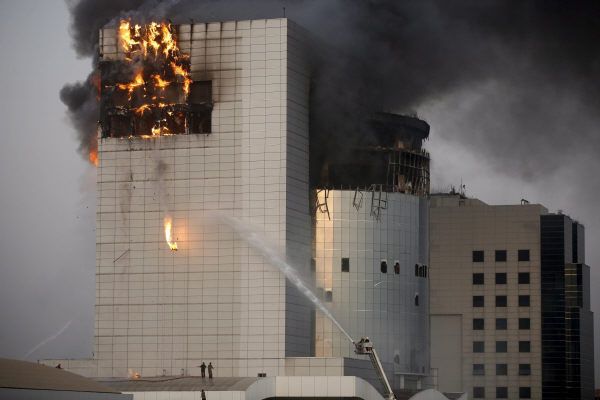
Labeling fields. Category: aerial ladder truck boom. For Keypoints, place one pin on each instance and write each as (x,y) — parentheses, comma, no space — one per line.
(365,346)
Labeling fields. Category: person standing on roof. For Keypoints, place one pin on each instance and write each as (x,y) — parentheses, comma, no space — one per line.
(203,369)
(210,370)
(203,395)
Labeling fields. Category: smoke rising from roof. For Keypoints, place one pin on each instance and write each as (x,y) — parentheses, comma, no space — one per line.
(536,64)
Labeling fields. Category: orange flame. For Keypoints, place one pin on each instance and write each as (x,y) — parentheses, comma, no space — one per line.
(155,44)
(93,157)
(168,222)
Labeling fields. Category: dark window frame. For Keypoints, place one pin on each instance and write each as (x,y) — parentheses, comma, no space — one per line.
(383,267)
(501,278)
(524,278)
(501,346)
(478,346)
(478,256)
(524,369)
(524,300)
(501,324)
(501,369)
(501,392)
(524,324)
(524,346)
(500,256)
(478,369)
(479,392)
(478,324)
(524,392)
(523,255)
(478,278)
(345,264)
(478,301)
(501,301)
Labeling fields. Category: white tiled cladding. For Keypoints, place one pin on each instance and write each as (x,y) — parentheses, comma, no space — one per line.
(214,299)
(366,301)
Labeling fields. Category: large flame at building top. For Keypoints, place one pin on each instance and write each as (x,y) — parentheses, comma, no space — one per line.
(146,94)
(168,222)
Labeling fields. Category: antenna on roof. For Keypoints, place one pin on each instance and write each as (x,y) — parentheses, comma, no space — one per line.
(283,12)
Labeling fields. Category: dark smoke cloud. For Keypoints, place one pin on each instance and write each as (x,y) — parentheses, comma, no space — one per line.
(538,60)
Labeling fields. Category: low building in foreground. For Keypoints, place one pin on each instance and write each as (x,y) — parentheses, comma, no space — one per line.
(510,308)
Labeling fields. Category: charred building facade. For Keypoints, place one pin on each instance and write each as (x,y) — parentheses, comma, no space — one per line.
(371,246)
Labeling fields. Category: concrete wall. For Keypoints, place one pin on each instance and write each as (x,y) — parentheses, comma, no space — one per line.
(457,228)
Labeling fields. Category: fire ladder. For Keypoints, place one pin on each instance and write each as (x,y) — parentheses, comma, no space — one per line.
(365,346)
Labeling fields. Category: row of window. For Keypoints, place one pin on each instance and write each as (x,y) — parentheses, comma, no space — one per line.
(500,255)
(420,270)
(501,324)
(502,369)
(502,392)
(500,278)
(502,346)
(502,301)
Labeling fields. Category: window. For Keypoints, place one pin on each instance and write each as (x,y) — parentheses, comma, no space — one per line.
(478,301)
(524,323)
(500,255)
(500,278)
(524,346)
(501,392)
(345,264)
(477,255)
(416,269)
(417,299)
(524,301)
(200,100)
(501,346)
(478,279)
(478,324)
(501,324)
(383,266)
(501,301)
(501,369)
(524,392)
(478,347)
(478,392)
(478,369)
(328,295)
(523,255)
(523,278)
(397,267)
(524,369)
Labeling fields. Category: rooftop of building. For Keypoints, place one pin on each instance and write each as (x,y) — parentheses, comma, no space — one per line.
(17,374)
(180,383)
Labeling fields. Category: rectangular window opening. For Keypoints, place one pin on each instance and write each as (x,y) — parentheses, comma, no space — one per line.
(500,278)
(501,369)
(524,323)
(201,106)
(478,279)
(501,346)
(478,301)
(478,256)
(523,278)
(501,324)
(523,255)
(345,264)
(478,324)
(501,301)
(524,300)
(478,369)
(500,255)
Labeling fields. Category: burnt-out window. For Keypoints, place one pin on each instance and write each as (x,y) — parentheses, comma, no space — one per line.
(478,324)
(500,278)
(500,255)
(524,300)
(478,279)
(478,301)
(501,324)
(416,269)
(524,323)
(383,267)
(477,255)
(201,105)
(397,267)
(523,255)
(523,278)
(345,264)
(501,301)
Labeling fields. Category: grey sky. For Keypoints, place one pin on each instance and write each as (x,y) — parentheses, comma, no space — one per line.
(47,204)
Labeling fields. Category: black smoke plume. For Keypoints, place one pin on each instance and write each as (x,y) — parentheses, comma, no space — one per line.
(538,63)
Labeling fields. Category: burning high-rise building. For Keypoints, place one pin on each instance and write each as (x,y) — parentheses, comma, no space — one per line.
(203,146)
